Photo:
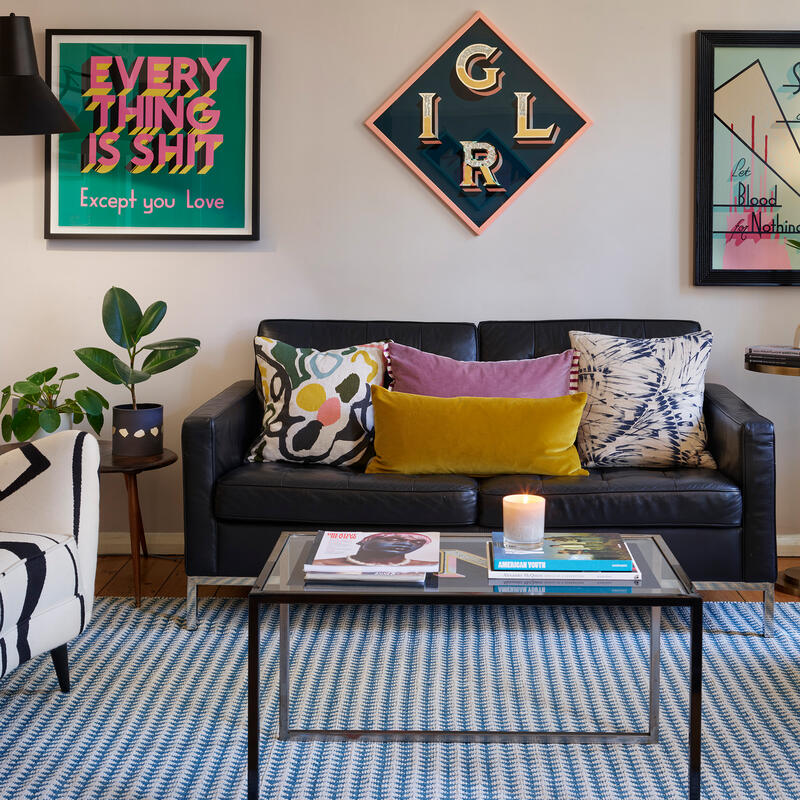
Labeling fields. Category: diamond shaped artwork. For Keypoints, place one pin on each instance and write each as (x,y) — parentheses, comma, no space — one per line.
(478,122)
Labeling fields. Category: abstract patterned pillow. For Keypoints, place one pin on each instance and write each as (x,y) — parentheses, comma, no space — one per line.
(645,400)
(317,404)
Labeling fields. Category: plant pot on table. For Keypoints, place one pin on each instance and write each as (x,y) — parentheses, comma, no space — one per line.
(137,431)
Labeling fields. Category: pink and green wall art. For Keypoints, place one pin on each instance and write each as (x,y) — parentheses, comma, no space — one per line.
(167,146)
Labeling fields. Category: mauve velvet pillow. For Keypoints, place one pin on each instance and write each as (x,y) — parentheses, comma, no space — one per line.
(416,372)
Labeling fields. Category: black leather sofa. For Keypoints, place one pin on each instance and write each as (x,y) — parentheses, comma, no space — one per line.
(719,523)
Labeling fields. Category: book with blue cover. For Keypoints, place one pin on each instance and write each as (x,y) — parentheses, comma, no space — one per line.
(576,554)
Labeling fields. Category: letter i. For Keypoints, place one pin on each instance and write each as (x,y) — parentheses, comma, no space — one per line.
(430,118)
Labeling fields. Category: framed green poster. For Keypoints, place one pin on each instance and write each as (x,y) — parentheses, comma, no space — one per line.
(168,140)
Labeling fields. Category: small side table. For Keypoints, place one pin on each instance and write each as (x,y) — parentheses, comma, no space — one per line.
(130,467)
(789,580)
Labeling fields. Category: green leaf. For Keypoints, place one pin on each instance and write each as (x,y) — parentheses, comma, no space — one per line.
(172,344)
(6,397)
(162,360)
(49,419)
(96,421)
(69,377)
(49,373)
(103,401)
(77,417)
(27,388)
(101,362)
(37,378)
(88,402)
(25,423)
(129,376)
(7,427)
(151,318)
(121,317)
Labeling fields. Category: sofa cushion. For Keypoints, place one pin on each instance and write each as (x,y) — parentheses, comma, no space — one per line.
(622,497)
(323,495)
(645,406)
(509,339)
(475,435)
(317,407)
(454,339)
(417,372)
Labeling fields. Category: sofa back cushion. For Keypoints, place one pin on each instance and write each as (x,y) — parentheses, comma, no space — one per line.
(503,341)
(453,339)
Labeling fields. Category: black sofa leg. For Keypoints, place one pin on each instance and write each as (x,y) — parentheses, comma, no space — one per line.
(61,663)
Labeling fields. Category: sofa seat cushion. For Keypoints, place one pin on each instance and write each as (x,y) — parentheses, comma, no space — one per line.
(37,571)
(324,495)
(622,497)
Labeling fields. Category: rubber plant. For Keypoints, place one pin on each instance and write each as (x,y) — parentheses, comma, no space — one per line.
(40,405)
(137,429)
(126,324)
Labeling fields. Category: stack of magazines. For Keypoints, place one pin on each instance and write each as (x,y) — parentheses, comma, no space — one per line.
(773,355)
(579,556)
(378,557)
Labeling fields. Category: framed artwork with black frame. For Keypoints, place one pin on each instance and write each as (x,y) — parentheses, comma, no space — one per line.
(168,146)
(747,199)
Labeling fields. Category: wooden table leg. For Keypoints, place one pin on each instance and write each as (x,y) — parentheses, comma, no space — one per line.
(136,530)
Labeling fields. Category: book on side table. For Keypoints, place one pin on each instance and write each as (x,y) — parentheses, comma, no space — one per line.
(578,556)
(376,557)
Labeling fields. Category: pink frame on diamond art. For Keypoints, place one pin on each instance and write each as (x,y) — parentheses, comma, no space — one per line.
(370,123)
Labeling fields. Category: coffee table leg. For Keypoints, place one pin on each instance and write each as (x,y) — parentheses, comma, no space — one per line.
(695,699)
(283,693)
(135,526)
(655,668)
(253,732)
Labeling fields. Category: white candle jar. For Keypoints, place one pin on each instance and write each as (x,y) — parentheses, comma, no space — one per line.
(523,522)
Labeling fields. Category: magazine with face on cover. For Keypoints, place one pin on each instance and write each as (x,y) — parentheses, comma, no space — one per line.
(362,552)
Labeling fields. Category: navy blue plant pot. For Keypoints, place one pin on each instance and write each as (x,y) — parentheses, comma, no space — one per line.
(137,432)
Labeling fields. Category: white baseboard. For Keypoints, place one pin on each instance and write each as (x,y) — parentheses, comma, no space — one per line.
(115,543)
(789,544)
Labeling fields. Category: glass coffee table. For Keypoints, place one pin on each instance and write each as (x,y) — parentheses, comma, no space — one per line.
(464,582)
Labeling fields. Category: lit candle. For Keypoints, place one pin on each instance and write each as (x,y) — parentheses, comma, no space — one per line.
(523,521)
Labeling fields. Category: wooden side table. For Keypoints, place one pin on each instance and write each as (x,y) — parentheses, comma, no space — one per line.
(130,467)
(789,580)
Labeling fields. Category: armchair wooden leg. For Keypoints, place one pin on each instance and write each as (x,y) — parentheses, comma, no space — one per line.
(61,663)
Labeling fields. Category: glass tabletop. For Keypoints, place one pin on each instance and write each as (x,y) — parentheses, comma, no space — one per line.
(465,575)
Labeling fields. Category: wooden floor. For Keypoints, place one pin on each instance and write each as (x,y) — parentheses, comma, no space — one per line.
(164,576)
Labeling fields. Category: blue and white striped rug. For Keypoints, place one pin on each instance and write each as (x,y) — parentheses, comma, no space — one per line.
(158,712)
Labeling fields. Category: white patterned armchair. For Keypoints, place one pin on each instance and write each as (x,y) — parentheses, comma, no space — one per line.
(49,509)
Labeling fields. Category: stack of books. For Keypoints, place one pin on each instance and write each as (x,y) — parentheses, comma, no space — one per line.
(773,355)
(584,557)
(377,557)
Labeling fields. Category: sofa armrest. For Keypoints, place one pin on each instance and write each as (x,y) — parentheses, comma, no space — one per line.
(743,444)
(214,440)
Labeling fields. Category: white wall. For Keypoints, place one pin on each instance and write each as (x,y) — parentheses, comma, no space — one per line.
(348,231)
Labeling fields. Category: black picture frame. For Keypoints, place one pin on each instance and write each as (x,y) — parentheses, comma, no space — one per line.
(250,229)
(705,272)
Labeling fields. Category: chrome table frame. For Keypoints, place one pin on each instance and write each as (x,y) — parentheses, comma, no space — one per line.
(768,608)
(434,735)
(259,597)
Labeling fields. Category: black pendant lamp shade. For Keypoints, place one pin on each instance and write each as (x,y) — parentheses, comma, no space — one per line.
(27,106)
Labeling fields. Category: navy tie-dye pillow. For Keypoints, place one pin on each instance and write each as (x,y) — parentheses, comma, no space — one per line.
(645,400)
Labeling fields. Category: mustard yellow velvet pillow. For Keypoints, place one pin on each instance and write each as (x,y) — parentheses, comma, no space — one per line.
(476,435)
